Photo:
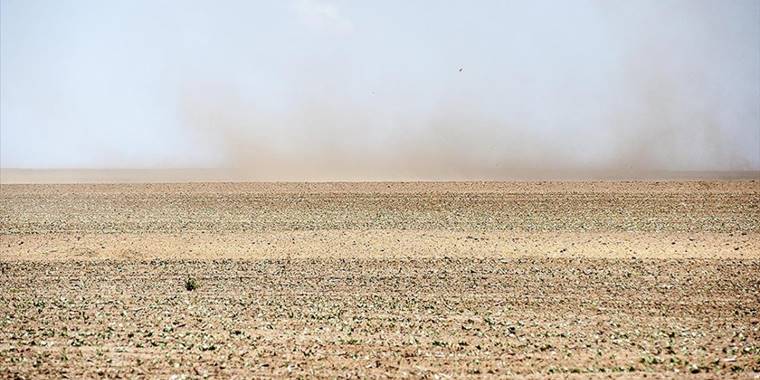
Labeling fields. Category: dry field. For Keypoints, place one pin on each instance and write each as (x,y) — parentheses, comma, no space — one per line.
(431,280)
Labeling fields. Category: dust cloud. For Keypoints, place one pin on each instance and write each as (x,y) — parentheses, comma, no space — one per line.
(512,90)
(650,135)
(662,94)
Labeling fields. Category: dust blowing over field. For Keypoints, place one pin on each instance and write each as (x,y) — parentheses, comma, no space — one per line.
(612,89)
(459,141)
(329,90)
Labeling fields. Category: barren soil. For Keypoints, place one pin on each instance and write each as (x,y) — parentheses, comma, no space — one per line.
(435,280)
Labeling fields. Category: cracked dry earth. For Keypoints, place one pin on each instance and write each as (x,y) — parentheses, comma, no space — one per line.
(376,280)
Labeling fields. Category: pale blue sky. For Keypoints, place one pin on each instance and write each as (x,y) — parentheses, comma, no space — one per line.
(375,87)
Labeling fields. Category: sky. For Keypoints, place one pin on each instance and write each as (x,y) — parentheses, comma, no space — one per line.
(313,89)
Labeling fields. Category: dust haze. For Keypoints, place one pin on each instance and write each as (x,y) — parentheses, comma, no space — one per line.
(651,135)
(533,91)
(647,110)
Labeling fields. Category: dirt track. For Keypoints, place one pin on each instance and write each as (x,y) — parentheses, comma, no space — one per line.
(381,279)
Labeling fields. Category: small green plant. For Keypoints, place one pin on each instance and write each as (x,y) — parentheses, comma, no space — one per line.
(191,284)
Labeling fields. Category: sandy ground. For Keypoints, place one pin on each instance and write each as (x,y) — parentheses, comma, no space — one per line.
(434,280)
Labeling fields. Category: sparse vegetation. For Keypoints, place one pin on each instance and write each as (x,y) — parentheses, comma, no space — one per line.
(191,284)
(462,288)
